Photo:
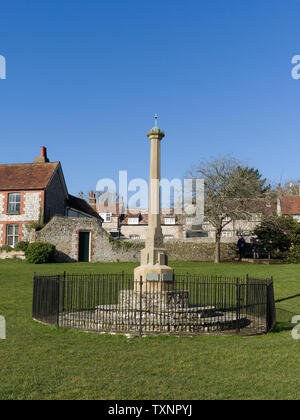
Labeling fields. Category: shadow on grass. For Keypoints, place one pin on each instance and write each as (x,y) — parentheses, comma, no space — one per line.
(284,320)
(287,298)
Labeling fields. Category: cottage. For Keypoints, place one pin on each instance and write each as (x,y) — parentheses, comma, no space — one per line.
(34,193)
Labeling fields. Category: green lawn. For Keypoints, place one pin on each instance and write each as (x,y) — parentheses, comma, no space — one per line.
(41,362)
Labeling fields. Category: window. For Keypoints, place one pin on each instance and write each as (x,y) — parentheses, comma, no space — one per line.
(168,237)
(226,234)
(255,217)
(106,217)
(12,235)
(133,220)
(134,237)
(169,220)
(14,201)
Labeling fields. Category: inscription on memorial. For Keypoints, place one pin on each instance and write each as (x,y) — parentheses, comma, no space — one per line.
(152,277)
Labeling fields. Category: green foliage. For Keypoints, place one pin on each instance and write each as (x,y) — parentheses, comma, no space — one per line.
(22,246)
(40,253)
(128,245)
(253,176)
(293,254)
(123,244)
(280,235)
(118,244)
(35,225)
(6,248)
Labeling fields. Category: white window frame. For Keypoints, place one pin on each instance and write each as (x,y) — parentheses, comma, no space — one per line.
(106,217)
(14,203)
(170,220)
(226,234)
(134,237)
(133,220)
(14,235)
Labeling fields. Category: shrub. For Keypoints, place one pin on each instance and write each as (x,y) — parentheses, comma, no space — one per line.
(40,253)
(36,226)
(6,248)
(293,254)
(21,246)
(280,236)
(128,244)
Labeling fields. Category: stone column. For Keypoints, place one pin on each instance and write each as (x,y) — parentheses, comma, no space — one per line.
(154,270)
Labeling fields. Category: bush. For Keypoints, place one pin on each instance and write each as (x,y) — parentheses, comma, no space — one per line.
(36,226)
(40,253)
(21,246)
(6,248)
(293,254)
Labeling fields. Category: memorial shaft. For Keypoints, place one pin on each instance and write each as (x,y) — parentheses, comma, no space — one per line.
(154,260)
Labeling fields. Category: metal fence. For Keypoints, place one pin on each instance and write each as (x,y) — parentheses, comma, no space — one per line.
(192,304)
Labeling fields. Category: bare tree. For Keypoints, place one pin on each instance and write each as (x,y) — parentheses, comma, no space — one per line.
(291,188)
(232,192)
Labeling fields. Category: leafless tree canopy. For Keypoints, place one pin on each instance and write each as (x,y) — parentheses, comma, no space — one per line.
(232,192)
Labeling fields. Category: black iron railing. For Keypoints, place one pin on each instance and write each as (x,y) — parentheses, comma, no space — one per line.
(193,304)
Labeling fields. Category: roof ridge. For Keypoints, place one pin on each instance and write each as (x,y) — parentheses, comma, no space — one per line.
(33,163)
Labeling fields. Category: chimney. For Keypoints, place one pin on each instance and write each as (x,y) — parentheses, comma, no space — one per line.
(92,198)
(43,158)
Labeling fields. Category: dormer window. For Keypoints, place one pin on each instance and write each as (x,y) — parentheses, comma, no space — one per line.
(14,203)
(133,220)
(169,220)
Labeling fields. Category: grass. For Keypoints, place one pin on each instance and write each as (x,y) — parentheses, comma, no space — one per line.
(41,362)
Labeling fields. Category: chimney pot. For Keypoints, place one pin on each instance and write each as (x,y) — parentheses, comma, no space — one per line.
(43,157)
(44,151)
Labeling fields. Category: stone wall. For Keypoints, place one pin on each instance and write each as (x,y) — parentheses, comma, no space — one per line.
(12,255)
(63,232)
(185,250)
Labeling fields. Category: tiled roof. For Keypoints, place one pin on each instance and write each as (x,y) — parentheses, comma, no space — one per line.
(76,203)
(290,205)
(27,176)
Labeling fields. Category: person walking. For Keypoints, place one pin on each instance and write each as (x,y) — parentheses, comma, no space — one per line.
(254,247)
(241,243)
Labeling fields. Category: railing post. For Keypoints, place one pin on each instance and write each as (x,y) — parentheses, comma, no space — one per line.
(247,291)
(63,292)
(141,306)
(34,298)
(57,299)
(271,311)
(238,306)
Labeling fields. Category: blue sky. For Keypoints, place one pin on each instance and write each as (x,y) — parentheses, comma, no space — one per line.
(85,78)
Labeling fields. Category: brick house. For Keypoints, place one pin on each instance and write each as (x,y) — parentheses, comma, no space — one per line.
(34,193)
(132,224)
(289,205)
